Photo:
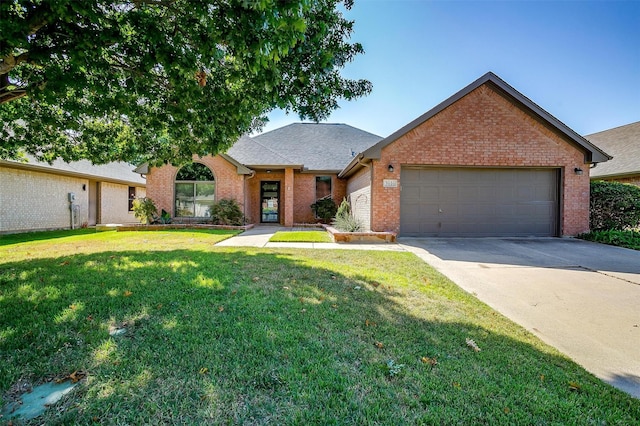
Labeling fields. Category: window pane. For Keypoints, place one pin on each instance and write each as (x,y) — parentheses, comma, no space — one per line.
(202,208)
(205,190)
(323,187)
(184,208)
(184,190)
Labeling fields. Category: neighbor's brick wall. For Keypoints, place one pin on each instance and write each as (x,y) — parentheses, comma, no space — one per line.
(633,180)
(483,129)
(114,203)
(161,182)
(359,193)
(32,200)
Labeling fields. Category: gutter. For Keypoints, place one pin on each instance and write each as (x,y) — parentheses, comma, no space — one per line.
(356,161)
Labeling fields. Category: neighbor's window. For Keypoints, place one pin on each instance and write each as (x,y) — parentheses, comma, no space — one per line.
(195,190)
(132,196)
(323,187)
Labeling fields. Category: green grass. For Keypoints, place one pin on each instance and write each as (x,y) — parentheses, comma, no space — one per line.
(256,336)
(627,239)
(301,237)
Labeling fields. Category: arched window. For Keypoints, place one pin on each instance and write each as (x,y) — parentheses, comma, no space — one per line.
(195,190)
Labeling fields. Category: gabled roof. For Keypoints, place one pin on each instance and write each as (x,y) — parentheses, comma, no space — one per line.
(624,144)
(311,146)
(592,153)
(118,172)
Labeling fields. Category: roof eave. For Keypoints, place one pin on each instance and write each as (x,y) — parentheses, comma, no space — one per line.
(52,170)
(616,175)
(275,166)
(241,169)
(353,166)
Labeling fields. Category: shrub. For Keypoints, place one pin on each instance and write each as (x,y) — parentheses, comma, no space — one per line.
(165,218)
(325,209)
(226,212)
(344,220)
(144,209)
(614,205)
(627,239)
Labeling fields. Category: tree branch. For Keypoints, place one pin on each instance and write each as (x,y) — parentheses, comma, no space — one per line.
(10,61)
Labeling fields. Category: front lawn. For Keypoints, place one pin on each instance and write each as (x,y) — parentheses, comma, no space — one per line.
(255,336)
(301,237)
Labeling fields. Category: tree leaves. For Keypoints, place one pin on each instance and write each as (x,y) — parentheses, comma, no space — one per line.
(160,81)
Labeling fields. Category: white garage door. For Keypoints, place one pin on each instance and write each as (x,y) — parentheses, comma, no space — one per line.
(478,202)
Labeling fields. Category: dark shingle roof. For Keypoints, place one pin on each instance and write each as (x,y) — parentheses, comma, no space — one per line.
(114,172)
(311,145)
(624,144)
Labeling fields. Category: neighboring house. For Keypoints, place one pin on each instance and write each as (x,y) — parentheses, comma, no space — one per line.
(35,195)
(623,143)
(485,162)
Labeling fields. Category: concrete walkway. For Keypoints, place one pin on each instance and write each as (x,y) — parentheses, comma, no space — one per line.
(259,237)
(582,298)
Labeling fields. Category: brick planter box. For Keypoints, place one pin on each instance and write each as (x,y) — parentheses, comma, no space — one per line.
(360,237)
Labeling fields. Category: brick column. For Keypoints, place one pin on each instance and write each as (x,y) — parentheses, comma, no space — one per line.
(288,197)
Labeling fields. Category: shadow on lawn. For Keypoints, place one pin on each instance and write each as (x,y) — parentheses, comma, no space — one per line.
(259,337)
(23,237)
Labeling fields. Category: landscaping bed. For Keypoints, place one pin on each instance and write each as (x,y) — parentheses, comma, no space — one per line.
(360,237)
(166,227)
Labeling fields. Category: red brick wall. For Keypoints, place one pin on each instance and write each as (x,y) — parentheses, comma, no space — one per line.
(482,129)
(229,184)
(305,195)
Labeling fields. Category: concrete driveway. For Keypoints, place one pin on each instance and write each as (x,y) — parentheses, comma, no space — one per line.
(582,298)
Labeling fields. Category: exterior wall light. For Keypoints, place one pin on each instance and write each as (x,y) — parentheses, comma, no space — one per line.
(390,168)
(577,171)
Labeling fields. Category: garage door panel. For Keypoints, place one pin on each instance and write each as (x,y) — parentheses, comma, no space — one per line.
(479,202)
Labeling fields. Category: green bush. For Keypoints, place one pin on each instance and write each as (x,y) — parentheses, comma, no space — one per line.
(614,205)
(344,220)
(627,239)
(325,209)
(144,209)
(226,212)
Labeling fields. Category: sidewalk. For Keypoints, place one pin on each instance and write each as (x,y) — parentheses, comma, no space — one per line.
(259,237)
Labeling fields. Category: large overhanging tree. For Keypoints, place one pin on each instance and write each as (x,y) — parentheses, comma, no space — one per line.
(161,80)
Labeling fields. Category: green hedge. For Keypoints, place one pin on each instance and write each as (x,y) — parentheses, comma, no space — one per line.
(614,206)
(627,239)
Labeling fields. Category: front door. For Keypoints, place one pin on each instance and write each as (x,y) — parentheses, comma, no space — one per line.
(270,202)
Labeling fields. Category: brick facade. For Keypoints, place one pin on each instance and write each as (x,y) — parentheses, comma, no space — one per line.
(113,204)
(32,200)
(161,182)
(482,129)
(297,190)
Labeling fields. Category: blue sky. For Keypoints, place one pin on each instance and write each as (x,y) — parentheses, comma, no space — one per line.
(578,60)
